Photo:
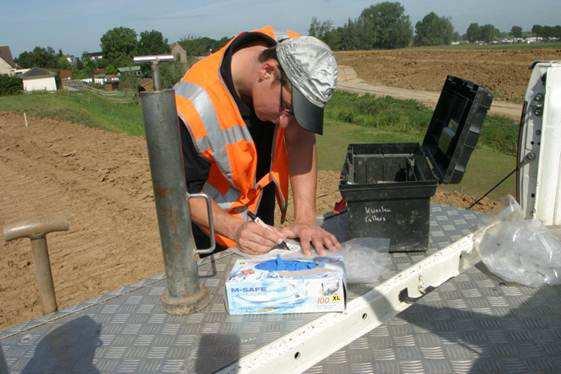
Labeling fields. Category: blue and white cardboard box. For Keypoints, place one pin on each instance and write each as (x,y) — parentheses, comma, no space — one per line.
(286,285)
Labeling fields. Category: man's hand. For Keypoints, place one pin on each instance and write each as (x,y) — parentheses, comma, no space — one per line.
(312,234)
(256,239)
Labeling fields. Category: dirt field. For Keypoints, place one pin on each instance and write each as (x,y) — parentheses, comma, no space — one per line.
(100,182)
(504,71)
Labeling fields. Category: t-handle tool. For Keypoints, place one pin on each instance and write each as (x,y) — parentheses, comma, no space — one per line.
(37,231)
(155,66)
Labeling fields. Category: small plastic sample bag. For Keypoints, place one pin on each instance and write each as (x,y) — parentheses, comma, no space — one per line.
(519,250)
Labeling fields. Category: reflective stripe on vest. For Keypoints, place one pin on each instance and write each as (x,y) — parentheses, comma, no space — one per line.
(224,201)
(216,138)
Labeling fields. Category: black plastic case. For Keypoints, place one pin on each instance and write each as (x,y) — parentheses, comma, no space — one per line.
(388,187)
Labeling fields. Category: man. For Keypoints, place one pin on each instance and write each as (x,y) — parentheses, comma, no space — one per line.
(248,117)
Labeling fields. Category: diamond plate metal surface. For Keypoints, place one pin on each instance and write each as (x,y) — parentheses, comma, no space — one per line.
(128,332)
(470,324)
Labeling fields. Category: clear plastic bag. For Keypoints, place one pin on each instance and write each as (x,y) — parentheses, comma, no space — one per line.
(521,251)
(366,259)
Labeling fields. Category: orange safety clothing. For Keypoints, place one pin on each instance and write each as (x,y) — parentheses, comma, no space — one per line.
(221,136)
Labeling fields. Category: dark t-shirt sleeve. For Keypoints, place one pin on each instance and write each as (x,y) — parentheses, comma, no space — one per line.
(196,167)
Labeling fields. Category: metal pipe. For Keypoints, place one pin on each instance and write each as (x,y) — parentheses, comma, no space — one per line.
(184,293)
(156,75)
(37,231)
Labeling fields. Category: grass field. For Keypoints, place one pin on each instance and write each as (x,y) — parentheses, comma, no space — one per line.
(78,107)
(349,119)
(411,117)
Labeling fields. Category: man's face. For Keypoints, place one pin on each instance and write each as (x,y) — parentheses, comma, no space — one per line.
(272,100)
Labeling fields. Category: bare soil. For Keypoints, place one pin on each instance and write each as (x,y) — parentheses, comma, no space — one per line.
(504,71)
(100,182)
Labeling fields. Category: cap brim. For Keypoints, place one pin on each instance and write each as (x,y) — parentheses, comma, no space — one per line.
(308,115)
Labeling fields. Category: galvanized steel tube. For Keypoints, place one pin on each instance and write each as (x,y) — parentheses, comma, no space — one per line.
(156,75)
(184,293)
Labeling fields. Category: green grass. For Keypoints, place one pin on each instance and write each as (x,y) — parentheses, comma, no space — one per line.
(410,117)
(349,119)
(79,107)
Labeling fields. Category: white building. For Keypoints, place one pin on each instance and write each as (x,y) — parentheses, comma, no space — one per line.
(7,64)
(94,56)
(38,79)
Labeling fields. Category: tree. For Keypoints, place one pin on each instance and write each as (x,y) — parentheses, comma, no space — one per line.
(385,25)
(201,46)
(516,31)
(119,46)
(349,36)
(434,30)
(314,27)
(39,57)
(152,43)
(172,72)
(537,30)
(557,31)
(89,66)
(473,32)
(111,70)
(10,85)
(488,33)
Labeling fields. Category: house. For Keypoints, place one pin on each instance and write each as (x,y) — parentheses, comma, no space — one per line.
(7,64)
(130,70)
(178,52)
(94,56)
(39,79)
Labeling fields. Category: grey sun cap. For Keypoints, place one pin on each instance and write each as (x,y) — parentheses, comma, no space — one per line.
(311,69)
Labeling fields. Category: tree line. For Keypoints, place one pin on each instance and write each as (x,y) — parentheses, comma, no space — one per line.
(386,26)
(381,26)
(118,46)
(547,31)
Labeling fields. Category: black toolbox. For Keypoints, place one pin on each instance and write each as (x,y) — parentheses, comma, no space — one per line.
(387,187)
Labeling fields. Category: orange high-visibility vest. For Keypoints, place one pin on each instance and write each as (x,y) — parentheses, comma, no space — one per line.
(221,136)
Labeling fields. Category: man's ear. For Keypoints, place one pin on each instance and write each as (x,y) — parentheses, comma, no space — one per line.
(268,69)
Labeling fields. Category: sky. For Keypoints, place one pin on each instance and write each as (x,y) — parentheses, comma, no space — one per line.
(76,26)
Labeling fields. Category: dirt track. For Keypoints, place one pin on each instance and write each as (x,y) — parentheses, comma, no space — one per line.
(101,183)
(349,81)
(504,71)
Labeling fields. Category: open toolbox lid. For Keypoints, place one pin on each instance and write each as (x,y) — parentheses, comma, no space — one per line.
(455,127)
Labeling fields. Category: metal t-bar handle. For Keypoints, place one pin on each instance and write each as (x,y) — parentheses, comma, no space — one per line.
(37,230)
(155,61)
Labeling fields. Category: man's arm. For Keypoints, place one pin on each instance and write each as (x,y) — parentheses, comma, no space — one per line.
(249,236)
(302,158)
